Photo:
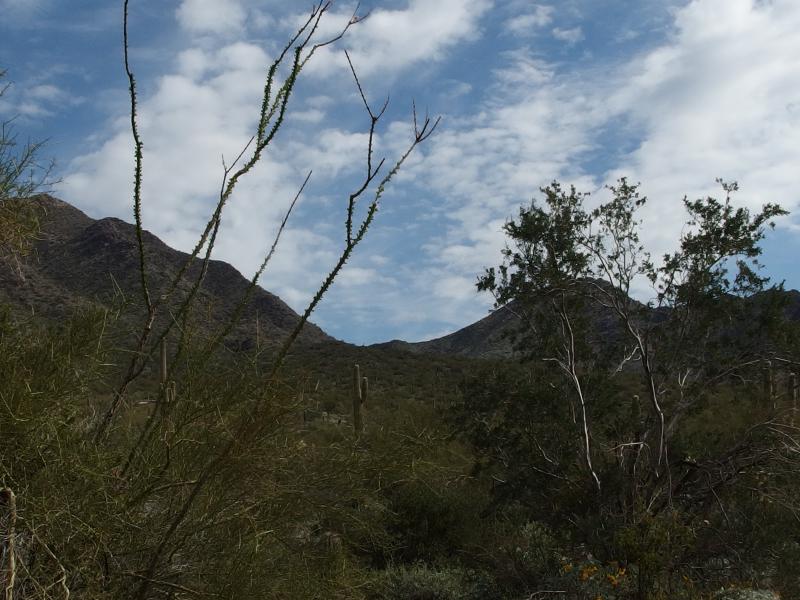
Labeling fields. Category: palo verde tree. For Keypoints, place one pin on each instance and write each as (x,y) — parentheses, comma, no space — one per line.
(644,379)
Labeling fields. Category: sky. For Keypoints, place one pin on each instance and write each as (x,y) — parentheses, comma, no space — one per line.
(669,93)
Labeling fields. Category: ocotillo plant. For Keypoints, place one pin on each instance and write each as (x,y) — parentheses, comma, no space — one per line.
(360,392)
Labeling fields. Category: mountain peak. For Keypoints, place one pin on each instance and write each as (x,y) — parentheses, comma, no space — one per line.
(79,260)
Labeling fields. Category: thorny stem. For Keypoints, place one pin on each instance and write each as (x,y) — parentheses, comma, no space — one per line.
(420,135)
(137,213)
(137,176)
(263,138)
(209,235)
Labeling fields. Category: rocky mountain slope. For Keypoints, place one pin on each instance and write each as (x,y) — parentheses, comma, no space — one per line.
(495,335)
(487,338)
(79,260)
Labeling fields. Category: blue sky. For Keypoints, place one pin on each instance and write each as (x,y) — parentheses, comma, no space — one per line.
(671,93)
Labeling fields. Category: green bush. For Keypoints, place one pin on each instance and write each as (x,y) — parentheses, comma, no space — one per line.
(421,582)
(745,594)
(537,555)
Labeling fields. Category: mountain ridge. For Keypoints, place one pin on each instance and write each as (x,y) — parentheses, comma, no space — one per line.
(493,336)
(77,260)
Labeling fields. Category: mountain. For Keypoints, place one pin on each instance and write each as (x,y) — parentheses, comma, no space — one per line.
(488,338)
(494,336)
(78,260)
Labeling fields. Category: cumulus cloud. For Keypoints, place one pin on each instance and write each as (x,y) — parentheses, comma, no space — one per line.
(34,100)
(205,109)
(570,36)
(196,116)
(719,98)
(531,130)
(211,16)
(391,40)
(528,22)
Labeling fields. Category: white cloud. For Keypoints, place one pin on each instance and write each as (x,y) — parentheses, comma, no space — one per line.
(46,92)
(187,125)
(531,129)
(194,63)
(526,23)
(333,151)
(207,107)
(454,287)
(389,41)
(719,100)
(311,115)
(570,36)
(34,100)
(211,16)
(719,97)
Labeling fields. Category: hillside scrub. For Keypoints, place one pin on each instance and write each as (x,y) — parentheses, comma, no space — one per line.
(467,480)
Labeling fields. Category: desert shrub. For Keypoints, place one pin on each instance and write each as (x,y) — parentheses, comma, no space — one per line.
(657,545)
(421,582)
(745,594)
(430,520)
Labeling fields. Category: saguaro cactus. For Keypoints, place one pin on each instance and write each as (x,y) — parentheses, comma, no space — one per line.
(360,393)
(168,388)
(164,370)
(769,384)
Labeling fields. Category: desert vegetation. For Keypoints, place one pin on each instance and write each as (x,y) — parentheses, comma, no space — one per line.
(628,450)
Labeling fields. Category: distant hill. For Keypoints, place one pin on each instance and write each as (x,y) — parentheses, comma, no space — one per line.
(80,260)
(487,338)
(494,336)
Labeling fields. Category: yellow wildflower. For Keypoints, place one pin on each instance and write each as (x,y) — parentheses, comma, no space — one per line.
(588,572)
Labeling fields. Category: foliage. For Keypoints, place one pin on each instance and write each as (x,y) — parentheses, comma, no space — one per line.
(626,396)
(420,582)
(133,485)
(743,594)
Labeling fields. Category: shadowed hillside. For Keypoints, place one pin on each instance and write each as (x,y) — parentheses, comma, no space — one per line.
(79,260)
